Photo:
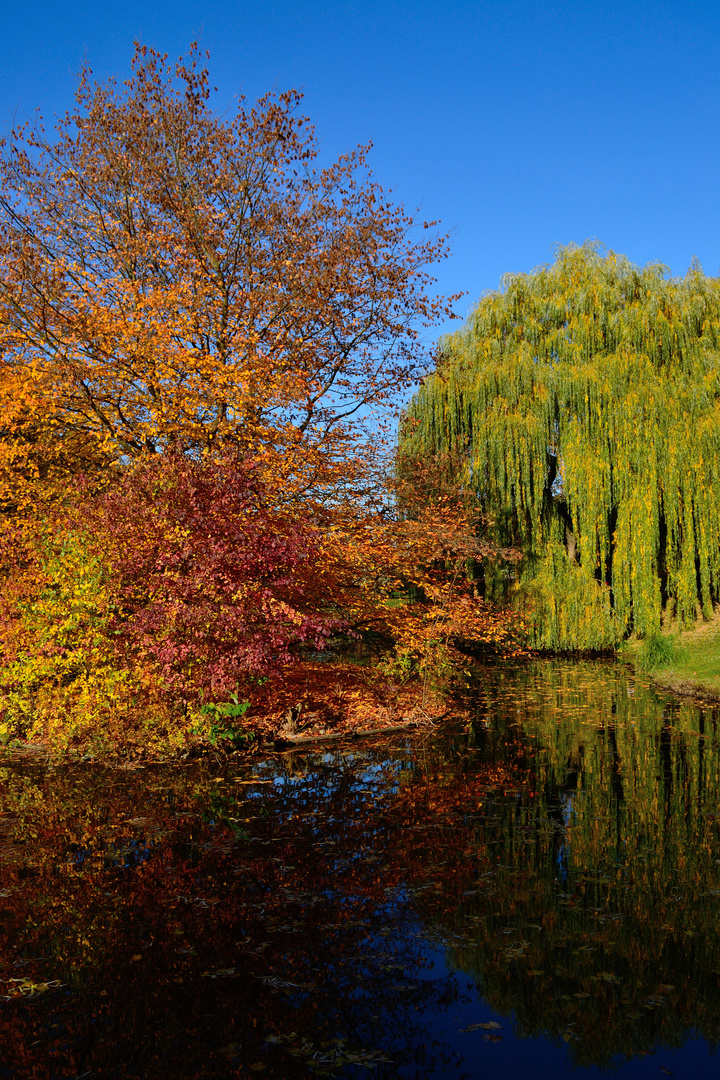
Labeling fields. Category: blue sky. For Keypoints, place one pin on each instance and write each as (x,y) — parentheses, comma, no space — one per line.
(519,124)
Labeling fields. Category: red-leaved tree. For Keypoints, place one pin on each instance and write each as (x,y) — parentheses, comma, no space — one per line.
(205,574)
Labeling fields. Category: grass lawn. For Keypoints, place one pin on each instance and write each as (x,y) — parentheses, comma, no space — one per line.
(694,666)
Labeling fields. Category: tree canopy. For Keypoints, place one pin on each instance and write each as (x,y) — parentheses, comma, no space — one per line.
(580,406)
(184,279)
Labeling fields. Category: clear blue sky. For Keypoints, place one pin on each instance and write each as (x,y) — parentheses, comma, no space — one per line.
(519,124)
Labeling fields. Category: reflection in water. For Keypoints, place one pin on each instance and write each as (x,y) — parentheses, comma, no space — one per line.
(538,888)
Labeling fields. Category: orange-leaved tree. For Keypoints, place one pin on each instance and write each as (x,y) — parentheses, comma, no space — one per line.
(407,572)
(184,280)
(40,452)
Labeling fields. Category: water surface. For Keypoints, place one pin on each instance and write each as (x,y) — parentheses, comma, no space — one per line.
(534,892)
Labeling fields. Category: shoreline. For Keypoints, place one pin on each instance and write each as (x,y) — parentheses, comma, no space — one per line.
(686,688)
(691,668)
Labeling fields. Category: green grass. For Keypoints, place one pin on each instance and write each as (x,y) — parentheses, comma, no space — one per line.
(699,659)
(657,651)
(688,661)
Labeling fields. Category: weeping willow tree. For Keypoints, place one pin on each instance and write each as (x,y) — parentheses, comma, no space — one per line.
(580,406)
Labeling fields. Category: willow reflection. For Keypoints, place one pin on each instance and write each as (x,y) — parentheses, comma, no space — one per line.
(599,924)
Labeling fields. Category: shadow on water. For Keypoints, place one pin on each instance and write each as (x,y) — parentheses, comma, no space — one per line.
(537,891)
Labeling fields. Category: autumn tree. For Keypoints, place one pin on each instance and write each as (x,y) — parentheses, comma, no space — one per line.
(580,405)
(195,311)
(186,280)
(206,577)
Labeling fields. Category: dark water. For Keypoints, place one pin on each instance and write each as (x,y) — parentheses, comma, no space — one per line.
(534,894)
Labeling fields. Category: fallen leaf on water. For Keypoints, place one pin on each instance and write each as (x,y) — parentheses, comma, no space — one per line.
(279,984)
(490,1025)
(492,1038)
(29,989)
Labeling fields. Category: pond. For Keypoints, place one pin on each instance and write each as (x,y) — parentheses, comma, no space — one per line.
(536,891)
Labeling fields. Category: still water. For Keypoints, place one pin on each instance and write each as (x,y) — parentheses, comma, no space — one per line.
(535,892)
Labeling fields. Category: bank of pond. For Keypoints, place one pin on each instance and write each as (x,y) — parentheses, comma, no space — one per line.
(535,890)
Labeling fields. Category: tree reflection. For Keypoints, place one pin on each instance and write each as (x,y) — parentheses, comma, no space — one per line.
(599,924)
(199,922)
(279,917)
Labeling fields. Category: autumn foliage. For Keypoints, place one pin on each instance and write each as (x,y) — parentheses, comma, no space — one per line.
(186,280)
(201,331)
(205,574)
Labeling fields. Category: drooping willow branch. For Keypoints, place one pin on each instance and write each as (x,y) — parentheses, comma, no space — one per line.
(581,404)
